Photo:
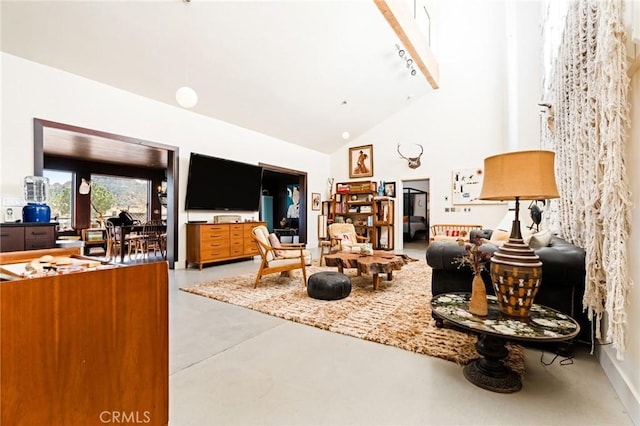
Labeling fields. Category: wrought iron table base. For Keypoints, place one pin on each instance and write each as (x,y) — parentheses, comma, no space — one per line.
(490,372)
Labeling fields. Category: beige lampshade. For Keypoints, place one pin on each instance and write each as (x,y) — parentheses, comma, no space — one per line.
(528,175)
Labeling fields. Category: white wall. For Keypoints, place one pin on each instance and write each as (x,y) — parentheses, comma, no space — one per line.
(31,90)
(459,124)
(524,45)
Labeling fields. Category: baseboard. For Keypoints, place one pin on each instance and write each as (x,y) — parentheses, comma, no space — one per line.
(630,401)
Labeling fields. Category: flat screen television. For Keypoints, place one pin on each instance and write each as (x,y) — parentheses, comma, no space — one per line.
(220,184)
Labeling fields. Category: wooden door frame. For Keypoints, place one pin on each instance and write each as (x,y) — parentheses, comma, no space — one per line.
(39,126)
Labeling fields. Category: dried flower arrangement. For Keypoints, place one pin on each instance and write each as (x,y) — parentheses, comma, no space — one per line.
(474,257)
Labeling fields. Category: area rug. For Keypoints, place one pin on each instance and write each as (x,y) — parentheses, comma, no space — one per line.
(398,314)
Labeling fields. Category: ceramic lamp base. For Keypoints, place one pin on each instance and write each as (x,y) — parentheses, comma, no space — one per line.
(516,274)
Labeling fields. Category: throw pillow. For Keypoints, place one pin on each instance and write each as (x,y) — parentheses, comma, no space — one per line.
(540,239)
(367,249)
(345,238)
(275,243)
(499,237)
(526,235)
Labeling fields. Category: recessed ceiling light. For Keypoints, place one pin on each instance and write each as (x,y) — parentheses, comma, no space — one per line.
(345,135)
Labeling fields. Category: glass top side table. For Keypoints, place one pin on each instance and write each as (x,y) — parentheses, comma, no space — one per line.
(489,372)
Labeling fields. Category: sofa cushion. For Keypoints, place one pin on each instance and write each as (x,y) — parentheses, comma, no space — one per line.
(499,237)
(540,239)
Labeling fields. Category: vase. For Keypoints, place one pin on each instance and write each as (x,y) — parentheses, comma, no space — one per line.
(478,302)
(516,274)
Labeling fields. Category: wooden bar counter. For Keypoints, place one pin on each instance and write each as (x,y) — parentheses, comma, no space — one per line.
(86,347)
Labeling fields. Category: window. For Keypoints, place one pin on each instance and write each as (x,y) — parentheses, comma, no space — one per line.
(60,199)
(111,194)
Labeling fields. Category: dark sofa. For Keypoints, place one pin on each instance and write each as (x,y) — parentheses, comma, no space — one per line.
(563,275)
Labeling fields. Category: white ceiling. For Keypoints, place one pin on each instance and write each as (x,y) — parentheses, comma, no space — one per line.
(282,68)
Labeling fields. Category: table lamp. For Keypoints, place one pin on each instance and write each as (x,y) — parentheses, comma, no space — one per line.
(516,271)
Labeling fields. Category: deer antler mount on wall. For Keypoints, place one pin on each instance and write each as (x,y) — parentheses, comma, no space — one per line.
(414,162)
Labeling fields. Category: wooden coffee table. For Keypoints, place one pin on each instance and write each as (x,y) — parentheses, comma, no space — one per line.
(381,262)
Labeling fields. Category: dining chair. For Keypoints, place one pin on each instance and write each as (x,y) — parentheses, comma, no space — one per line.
(114,246)
(153,238)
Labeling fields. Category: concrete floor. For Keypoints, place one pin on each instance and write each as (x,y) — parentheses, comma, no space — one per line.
(233,366)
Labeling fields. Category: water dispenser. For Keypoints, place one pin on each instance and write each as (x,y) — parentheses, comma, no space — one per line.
(36,194)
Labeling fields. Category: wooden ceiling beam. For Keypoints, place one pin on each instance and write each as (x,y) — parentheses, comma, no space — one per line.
(403,24)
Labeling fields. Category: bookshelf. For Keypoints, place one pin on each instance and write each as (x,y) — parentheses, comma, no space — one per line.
(372,216)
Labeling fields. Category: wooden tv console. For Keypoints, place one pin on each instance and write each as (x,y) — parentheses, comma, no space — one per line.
(85,348)
(218,242)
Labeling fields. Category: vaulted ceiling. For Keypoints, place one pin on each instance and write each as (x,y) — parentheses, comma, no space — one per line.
(301,71)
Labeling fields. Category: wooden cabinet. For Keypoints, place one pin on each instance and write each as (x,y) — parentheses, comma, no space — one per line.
(249,246)
(218,242)
(85,347)
(372,216)
(27,236)
(236,240)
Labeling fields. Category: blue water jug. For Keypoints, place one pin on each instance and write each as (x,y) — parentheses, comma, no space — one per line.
(36,212)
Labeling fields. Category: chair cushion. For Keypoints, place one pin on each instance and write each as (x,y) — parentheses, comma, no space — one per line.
(344,235)
(281,261)
(291,254)
(262,234)
(355,248)
(346,238)
(275,243)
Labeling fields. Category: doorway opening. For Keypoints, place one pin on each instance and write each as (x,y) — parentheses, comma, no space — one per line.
(283,203)
(87,152)
(415,212)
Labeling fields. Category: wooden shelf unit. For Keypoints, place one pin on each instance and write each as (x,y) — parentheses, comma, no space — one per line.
(95,241)
(372,216)
(219,242)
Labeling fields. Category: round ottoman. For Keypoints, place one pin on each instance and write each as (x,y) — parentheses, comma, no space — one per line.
(328,285)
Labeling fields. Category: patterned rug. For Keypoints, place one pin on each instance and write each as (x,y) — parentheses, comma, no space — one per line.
(398,314)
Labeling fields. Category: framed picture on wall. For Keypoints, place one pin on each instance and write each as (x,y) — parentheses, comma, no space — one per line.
(466,185)
(390,189)
(361,161)
(315,201)
(293,202)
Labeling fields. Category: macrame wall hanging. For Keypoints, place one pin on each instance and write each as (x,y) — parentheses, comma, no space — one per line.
(588,88)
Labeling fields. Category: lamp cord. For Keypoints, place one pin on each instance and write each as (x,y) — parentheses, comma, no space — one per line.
(566,360)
